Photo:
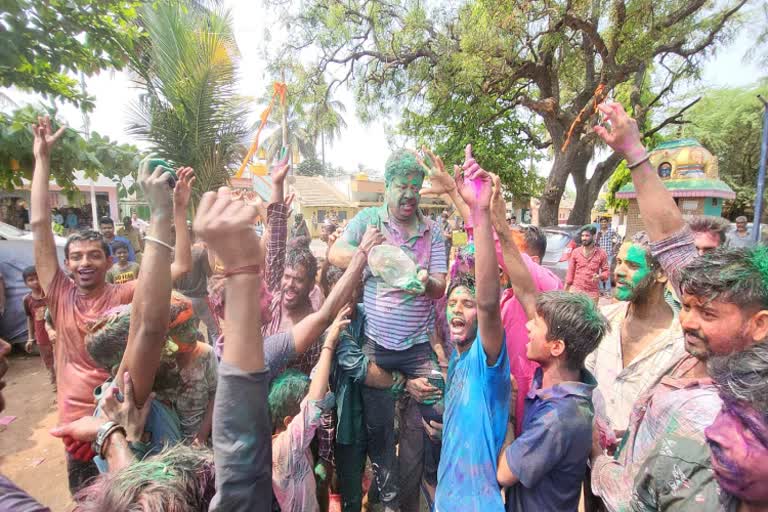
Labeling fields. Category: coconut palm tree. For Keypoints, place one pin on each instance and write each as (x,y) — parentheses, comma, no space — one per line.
(299,137)
(190,112)
(326,121)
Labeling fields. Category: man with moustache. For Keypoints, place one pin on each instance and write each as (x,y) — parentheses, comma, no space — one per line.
(76,301)
(587,265)
(398,322)
(645,338)
(662,462)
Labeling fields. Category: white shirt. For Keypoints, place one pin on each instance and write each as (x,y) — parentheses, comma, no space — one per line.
(620,387)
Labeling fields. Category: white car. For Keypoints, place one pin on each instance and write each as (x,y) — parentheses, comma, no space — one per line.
(8,232)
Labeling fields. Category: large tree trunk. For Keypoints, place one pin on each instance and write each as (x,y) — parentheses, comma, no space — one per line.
(576,156)
(587,190)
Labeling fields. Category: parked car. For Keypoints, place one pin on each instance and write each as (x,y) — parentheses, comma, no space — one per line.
(560,242)
(15,256)
(8,232)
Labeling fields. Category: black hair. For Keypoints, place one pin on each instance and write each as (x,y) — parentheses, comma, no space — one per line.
(28,272)
(464,279)
(710,224)
(87,235)
(106,220)
(535,240)
(118,246)
(575,319)
(299,254)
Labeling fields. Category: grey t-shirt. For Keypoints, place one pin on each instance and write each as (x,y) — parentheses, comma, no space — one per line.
(740,242)
(279,349)
(194,283)
(242,441)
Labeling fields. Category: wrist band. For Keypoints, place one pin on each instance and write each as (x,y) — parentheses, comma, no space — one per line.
(247,269)
(159,242)
(106,430)
(639,162)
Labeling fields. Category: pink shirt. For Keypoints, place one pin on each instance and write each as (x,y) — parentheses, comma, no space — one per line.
(514,320)
(582,269)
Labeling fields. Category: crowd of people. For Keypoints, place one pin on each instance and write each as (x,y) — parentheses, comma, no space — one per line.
(477,382)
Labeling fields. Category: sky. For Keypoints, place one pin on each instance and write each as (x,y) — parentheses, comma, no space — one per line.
(360,144)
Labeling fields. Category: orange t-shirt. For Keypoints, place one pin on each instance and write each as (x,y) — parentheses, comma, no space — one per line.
(76,373)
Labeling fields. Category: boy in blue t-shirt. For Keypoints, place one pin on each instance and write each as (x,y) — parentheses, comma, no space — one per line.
(478,387)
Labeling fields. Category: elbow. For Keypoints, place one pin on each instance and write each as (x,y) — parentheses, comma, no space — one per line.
(488,306)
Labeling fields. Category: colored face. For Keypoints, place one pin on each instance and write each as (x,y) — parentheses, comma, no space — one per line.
(461,313)
(633,274)
(738,440)
(108,230)
(122,256)
(296,285)
(586,238)
(712,327)
(32,282)
(403,196)
(538,348)
(87,263)
(705,242)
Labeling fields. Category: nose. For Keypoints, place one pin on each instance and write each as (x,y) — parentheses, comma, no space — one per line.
(689,320)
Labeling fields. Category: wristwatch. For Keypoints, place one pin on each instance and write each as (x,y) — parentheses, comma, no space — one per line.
(106,430)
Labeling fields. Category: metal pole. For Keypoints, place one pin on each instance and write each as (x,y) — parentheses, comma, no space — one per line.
(761,174)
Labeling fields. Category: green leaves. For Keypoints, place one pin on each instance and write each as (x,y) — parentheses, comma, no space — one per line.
(44,44)
(97,155)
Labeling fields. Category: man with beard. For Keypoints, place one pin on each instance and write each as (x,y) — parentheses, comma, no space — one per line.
(663,462)
(587,266)
(645,339)
(738,438)
(76,301)
(398,322)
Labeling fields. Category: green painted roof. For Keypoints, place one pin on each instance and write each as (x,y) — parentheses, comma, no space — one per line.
(679,143)
(689,186)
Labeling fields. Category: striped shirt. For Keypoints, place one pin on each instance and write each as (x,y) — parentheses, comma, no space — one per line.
(395,319)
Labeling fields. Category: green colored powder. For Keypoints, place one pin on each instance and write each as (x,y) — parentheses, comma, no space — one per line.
(402,163)
(637,256)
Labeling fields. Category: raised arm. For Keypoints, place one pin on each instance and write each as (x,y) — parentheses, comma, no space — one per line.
(443,184)
(519,276)
(241,426)
(310,328)
(151,304)
(478,197)
(46,262)
(182,259)
(319,385)
(661,217)
(277,227)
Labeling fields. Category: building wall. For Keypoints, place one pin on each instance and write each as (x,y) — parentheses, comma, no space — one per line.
(689,206)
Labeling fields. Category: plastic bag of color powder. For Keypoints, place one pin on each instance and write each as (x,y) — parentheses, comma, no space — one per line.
(394,266)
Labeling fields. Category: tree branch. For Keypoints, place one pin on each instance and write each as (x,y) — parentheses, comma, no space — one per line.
(674,119)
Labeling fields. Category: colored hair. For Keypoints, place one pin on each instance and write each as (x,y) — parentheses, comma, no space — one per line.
(642,240)
(28,272)
(87,235)
(299,254)
(743,377)
(400,164)
(575,319)
(285,396)
(709,224)
(464,279)
(535,241)
(588,227)
(735,276)
(178,479)
(106,221)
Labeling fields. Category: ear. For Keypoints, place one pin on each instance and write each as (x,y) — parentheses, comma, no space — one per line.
(661,276)
(557,348)
(759,326)
(287,421)
(536,259)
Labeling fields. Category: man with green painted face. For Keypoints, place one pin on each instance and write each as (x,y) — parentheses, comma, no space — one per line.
(645,339)
(398,322)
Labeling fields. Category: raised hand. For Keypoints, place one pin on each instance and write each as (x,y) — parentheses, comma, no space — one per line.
(227,227)
(45,139)
(498,206)
(125,412)
(154,184)
(281,168)
(339,324)
(478,194)
(183,190)
(441,182)
(371,238)
(623,135)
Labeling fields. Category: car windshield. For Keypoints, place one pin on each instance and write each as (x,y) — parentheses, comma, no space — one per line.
(557,241)
(6,230)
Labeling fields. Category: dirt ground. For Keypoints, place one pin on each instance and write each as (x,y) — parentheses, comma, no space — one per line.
(29,455)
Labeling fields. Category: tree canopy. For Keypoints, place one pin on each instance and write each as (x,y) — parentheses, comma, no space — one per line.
(43,45)
(542,58)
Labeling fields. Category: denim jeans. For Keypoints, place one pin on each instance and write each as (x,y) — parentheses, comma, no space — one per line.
(379,413)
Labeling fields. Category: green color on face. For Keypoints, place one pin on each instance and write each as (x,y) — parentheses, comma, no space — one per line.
(635,258)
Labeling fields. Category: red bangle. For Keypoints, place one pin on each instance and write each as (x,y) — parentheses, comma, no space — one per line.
(248,269)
